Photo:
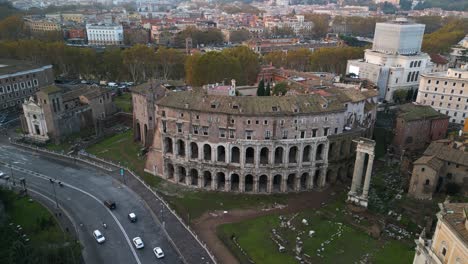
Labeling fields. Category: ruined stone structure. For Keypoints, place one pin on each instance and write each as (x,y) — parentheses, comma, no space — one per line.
(358,195)
(252,144)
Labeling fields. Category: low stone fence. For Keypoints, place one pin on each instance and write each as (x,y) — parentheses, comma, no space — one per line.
(112,166)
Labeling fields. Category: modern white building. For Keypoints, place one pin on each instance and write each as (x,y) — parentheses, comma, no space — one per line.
(395,61)
(447,92)
(104,35)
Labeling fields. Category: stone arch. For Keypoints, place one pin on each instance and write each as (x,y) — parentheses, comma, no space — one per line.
(168,145)
(250,155)
(207,179)
(276,184)
(194,177)
(304,180)
(319,153)
(180,148)
(292,156)
(193,150)
(207,152)
(235,155)
(291,182)
(279,155)
(170,171)
(306,153)
(316,178)
(221,180)
(138,132)
(145,134)
(249,183)
(221,151)
(182,174)
(235,179)
(264,156)
(263,183)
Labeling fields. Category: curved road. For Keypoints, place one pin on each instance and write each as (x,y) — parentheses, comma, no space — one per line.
(82,197)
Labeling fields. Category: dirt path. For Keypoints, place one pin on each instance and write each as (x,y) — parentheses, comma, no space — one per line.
(205,226)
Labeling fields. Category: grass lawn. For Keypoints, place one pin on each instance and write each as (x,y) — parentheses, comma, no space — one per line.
(120,148)
(195,203)
(71,140)
(341,242)
(124,102)
(47,240)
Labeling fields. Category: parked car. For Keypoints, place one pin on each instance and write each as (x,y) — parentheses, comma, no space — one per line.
(138,242)
(98,236)
(110,204)
(158,252)
(132,217)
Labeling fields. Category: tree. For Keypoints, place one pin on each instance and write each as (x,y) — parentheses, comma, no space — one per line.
(334,59)
(240,35)
(267,90)
(321,24)
(280,88)
(169,61)
(276,58)
(249,63)
(399,96)
(140,61)
(440,41)
(299,59)
(261,88)
(12,28)
(409,95)
(212,67)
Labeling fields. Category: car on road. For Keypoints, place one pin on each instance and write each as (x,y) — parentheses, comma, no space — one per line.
(110,204)
(158,252)
(138,242)
(132,217)
(98,236)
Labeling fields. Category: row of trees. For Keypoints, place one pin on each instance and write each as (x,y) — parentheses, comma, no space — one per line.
(137,63)
(323,59)
(238,63)
(442,39)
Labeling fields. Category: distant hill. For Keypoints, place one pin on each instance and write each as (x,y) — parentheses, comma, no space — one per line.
(458,5)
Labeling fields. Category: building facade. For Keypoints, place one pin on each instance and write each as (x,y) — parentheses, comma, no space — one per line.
(395,61)
(416,126)
(446,92)
(40,25)
(450,241)
(21,79)
(440,164)
(104,35)
(254,144)
(58,112)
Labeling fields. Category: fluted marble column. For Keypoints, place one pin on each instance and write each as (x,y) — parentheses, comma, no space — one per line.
(357,175)
(365,191)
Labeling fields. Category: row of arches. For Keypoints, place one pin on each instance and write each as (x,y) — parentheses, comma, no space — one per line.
(235,182)
(141,135)
(265,155)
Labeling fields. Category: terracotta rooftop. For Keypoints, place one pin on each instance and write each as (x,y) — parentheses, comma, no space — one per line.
(253,105)
(412,112)
(445,152)
(431,161)
(454,214)
(438,59)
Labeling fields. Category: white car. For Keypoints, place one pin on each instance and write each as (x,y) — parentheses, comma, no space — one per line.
(2,174)
(138,242)
(98,236)
(158,252)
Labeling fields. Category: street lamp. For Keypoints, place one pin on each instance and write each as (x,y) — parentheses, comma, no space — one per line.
(162,215)
(122,174)
(55,193)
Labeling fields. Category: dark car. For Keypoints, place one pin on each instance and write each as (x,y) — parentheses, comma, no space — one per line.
(110,204)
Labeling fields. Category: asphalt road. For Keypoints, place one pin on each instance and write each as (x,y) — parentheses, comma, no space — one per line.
(82,198)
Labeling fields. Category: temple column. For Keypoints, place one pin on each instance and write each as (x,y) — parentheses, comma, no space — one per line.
(365,191)
(357,174)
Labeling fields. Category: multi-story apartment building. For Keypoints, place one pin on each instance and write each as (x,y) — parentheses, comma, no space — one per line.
(298,24)
(39,25)
(252,144)
(20,80)
(450,241)
(104,35)
(447,92)
(395,61)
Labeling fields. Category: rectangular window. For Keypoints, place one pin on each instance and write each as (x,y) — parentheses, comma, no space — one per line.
(231,133)
(195,130)
(303,134)
(325,131)
(265,122)
(285,134)
(248,134)
(205,131)
(222,133)
(179,127)
(163,113)
(267,134)
(314,133)
(336,130)
(281,122)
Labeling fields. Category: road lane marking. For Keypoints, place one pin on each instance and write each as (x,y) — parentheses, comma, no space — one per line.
(46,178)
